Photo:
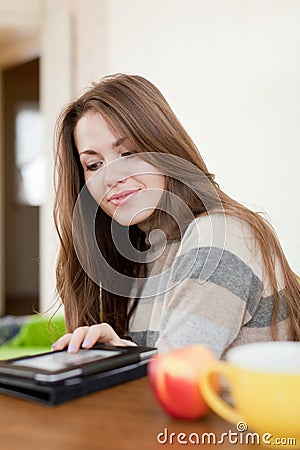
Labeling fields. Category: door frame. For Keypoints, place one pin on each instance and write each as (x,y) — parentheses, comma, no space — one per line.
(17,53)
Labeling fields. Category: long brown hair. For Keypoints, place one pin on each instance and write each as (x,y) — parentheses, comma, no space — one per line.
(134,108)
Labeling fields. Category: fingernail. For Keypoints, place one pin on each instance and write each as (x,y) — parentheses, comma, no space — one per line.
(71,348)
(86,343)
(54,345)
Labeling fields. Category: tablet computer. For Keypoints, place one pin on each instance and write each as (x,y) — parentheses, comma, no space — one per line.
(55,377)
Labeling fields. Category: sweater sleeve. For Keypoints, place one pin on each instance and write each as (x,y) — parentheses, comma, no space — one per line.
(212,289)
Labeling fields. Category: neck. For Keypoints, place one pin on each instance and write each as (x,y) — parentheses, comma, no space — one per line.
(163,227)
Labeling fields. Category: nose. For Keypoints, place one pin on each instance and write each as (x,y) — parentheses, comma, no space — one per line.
(112,173)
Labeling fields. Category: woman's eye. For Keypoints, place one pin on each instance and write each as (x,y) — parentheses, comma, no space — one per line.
(94,166)
(126,153)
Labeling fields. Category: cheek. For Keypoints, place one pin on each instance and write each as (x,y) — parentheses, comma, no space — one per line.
(157,183)
(96,188)
(152,192)
(162,182)
(153,187)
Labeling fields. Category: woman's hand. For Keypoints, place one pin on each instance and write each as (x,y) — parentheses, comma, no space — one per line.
(86,337)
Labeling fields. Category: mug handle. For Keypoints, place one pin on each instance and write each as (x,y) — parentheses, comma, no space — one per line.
(214,401)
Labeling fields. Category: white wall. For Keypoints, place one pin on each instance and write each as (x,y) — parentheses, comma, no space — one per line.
(231,70)
(20,12)
(89,39)
(56,91)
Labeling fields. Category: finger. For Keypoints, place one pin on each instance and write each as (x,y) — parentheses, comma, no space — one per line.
(77,339)
(62,342)
(101,333)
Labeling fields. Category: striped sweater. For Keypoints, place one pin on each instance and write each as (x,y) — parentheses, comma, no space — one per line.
(208,288)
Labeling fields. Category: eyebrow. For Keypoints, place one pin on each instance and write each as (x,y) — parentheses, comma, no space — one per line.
(115,144)
(119,141)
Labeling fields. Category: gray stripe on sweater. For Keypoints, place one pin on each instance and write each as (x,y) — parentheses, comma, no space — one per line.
(230,272)
(185,327)
(263,314)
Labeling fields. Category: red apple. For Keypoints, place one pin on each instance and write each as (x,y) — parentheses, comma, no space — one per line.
(175,377)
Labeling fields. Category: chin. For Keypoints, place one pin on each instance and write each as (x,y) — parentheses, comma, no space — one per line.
(137,219)
(123,222)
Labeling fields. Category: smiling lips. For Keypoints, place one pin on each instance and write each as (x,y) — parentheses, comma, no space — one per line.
(122,197)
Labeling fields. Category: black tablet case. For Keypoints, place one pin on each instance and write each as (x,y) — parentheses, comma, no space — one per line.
(68,389)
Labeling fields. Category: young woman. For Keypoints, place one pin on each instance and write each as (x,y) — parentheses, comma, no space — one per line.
(152,251)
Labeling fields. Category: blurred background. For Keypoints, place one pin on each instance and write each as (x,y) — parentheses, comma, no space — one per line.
(229,68)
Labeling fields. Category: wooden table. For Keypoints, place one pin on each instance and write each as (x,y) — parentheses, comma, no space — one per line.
(124,417)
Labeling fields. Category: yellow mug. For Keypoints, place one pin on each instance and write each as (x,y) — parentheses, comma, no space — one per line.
(264,382)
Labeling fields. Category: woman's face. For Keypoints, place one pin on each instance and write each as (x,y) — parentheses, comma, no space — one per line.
(126,187)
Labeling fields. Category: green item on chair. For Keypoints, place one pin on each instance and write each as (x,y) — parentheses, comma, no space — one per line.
(36,335)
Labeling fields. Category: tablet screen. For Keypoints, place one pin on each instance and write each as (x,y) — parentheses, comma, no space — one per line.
(63,360)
